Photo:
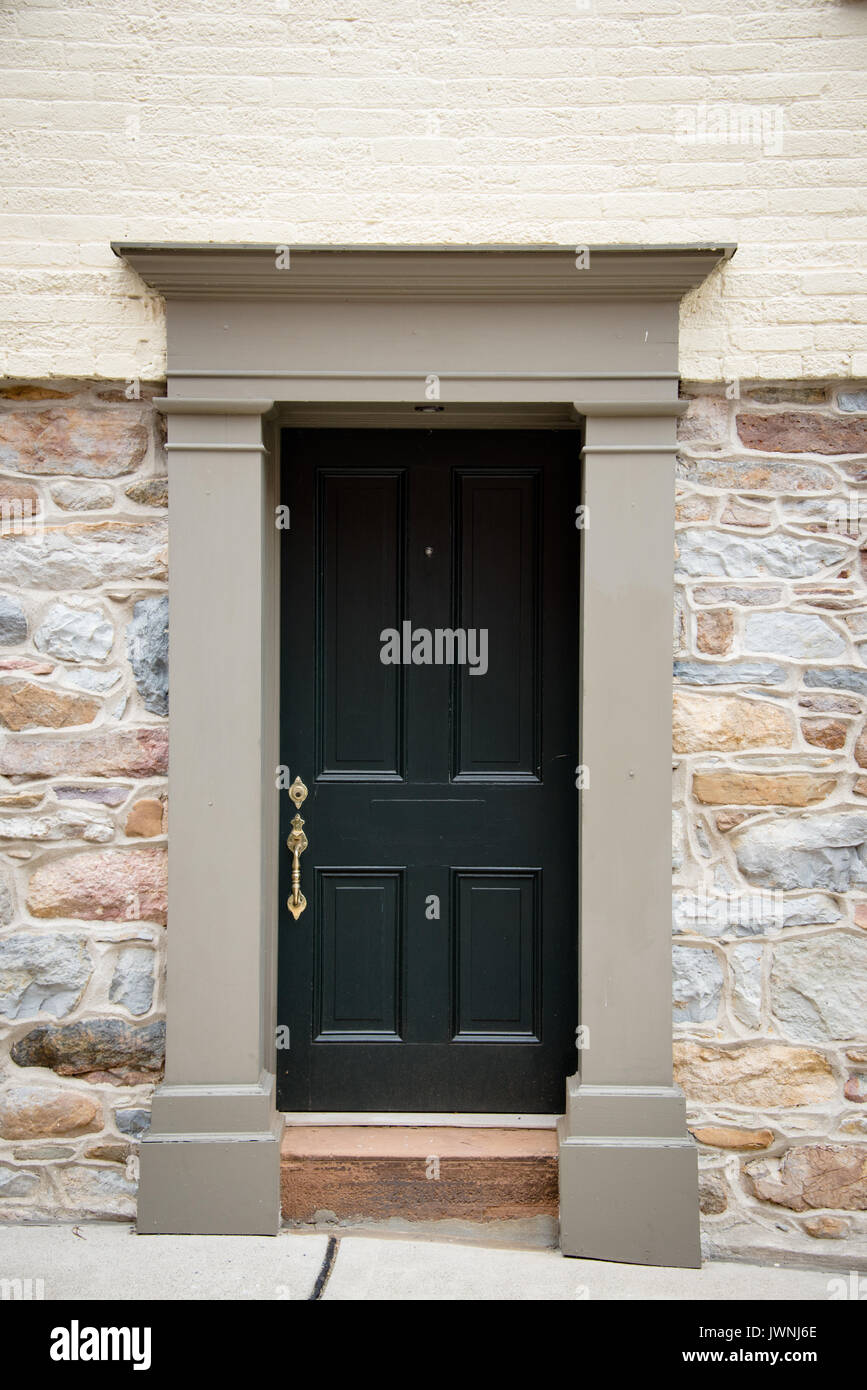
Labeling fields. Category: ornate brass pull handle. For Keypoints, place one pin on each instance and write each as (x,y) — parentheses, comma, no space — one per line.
(297,842)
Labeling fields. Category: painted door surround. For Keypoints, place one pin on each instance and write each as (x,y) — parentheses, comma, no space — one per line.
(491,335)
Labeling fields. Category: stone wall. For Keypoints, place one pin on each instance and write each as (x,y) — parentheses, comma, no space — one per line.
(83,762)
(770,816)
(770,806)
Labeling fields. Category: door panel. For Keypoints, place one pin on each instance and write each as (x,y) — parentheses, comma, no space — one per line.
(435,967)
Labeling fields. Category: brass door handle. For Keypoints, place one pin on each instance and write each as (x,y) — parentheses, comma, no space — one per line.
(297,842)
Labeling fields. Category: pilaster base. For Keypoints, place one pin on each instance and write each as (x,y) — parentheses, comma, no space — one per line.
(211,1163)
(628,1177)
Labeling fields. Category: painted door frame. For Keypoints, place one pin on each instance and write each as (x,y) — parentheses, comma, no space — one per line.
(367,335)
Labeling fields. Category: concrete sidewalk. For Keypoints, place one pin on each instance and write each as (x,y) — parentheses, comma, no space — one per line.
(109,1261)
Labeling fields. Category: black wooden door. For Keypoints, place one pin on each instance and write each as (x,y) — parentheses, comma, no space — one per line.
(435,966)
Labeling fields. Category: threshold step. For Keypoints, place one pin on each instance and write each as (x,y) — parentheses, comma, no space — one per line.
(375,1173)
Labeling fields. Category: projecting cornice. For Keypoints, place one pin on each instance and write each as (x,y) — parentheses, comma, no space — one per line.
(430,272)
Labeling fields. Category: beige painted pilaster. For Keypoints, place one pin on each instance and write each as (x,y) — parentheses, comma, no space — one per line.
(628,1168)
(210,1163)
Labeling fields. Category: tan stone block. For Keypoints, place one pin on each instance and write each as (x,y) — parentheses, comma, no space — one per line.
(118,885)
(89,443)
(827,1227)
(760,789)
(692,507)
(110,1152)
(811,1176)
(722,1137)
(824,733)
(24,705)
(761,1074)
(714,630)
(145,818)
(725,723)
(37,1112)
(739,514)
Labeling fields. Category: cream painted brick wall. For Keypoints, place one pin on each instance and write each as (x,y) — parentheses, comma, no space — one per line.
(432,121)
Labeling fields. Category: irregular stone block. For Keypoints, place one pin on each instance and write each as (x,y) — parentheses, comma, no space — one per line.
(793,395)
(714,630)
(135,1123)
(705,554)
(40,1112)
(84,554)
(745,960)
(756,475)
(147,644)
(733,593)
(677,841)
(692,507)
(855,1088)
(802,636)
(150,492)
(73,632)
(68,439)
(760,789)
(724,723)
(42,973)
(698,978)
(145,818)
(802,432)
(810,1176)
(748,913)
(97,1191)
(125,753)
(26,663)
(81,497)
(852,400)
(760,1074)
(842,704)
(838,678)
(811,852)
(739,514)
(13,621)
(109,1152)
(824,733)
(115,884)
(827,1227)
(108,796)
(28,392)
(706,419)
(712,1198)
(132,983)
(24,705)
(725,1137)
(16,1182)
(731,673)
(98,1045)
(819,986)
